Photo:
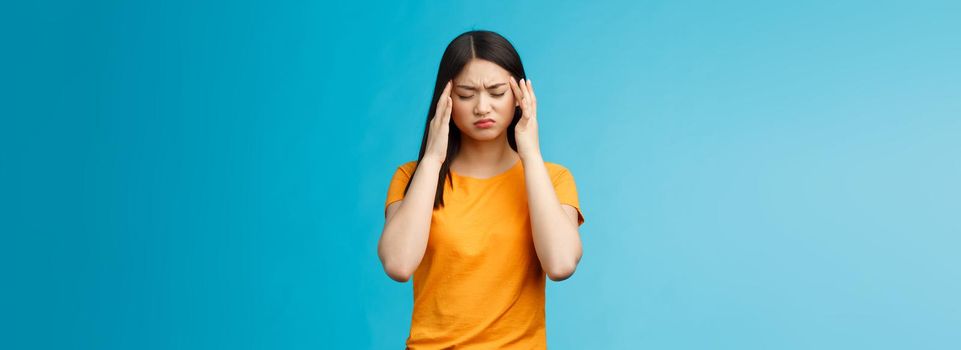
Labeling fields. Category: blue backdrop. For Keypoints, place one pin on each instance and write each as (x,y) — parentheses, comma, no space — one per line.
(211,175)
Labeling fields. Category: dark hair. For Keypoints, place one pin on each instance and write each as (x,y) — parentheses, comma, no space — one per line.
(480,44)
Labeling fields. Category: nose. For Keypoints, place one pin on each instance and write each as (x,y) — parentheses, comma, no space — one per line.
(483,105)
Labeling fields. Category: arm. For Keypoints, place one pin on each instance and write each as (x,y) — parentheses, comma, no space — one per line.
(554,225)
(407,224)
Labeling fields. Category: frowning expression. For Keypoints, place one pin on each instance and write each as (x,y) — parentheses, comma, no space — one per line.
(483,103)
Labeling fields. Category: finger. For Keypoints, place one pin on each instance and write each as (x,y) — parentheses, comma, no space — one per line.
(515,91)
(518,95)
(446,92)
(447,110)
(530,90)
(530,86)
(526,98)
(443,101)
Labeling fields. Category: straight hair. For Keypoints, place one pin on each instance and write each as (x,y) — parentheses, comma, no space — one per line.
(476,44)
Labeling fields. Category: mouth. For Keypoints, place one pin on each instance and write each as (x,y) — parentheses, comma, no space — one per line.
(484,123)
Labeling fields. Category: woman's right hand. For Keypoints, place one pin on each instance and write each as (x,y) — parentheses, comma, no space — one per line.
(407,222)
(439,128)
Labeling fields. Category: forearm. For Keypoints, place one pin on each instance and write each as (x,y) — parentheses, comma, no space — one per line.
(556,238)
(404,239)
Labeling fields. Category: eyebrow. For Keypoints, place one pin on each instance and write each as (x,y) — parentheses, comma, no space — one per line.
(468,87)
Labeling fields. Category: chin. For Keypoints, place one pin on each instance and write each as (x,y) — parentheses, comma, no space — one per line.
(484,135)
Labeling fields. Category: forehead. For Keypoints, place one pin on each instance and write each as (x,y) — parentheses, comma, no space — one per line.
(482,72)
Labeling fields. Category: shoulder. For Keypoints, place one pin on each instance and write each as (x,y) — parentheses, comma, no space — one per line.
(408,167)
(556,170)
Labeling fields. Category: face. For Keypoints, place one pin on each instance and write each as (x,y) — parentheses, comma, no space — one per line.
(481,93)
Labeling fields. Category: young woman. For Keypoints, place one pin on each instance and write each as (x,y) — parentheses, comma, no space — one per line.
(480,217)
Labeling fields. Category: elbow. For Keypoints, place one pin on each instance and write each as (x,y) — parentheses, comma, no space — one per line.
(397,273)
(398,276)
(561,273)
(563,269)
(396,270)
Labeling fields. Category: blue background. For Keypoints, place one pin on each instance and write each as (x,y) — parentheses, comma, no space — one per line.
(754,175)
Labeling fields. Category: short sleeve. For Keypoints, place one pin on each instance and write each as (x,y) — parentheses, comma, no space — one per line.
(566,191)
(398,183)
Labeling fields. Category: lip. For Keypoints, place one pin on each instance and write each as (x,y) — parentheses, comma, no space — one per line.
(484,123)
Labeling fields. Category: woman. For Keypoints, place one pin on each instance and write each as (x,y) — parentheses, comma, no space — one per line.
(480,217)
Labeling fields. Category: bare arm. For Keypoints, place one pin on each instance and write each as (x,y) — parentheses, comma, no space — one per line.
(556,237)
(407,224)
(554,225)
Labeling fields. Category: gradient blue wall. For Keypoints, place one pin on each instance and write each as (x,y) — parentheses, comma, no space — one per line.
(754,175)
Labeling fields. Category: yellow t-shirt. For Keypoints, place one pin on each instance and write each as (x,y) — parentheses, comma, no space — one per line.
(480,284)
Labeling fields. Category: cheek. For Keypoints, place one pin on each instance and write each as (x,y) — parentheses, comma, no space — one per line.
(461,111)
(506,106)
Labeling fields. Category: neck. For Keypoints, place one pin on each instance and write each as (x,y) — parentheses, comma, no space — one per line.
(483,155)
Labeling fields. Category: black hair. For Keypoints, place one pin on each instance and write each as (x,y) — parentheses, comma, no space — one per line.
(479,44)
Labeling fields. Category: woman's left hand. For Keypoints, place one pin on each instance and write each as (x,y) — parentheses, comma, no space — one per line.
(525,133)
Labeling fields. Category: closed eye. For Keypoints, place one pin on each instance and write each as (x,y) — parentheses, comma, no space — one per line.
(492,94)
